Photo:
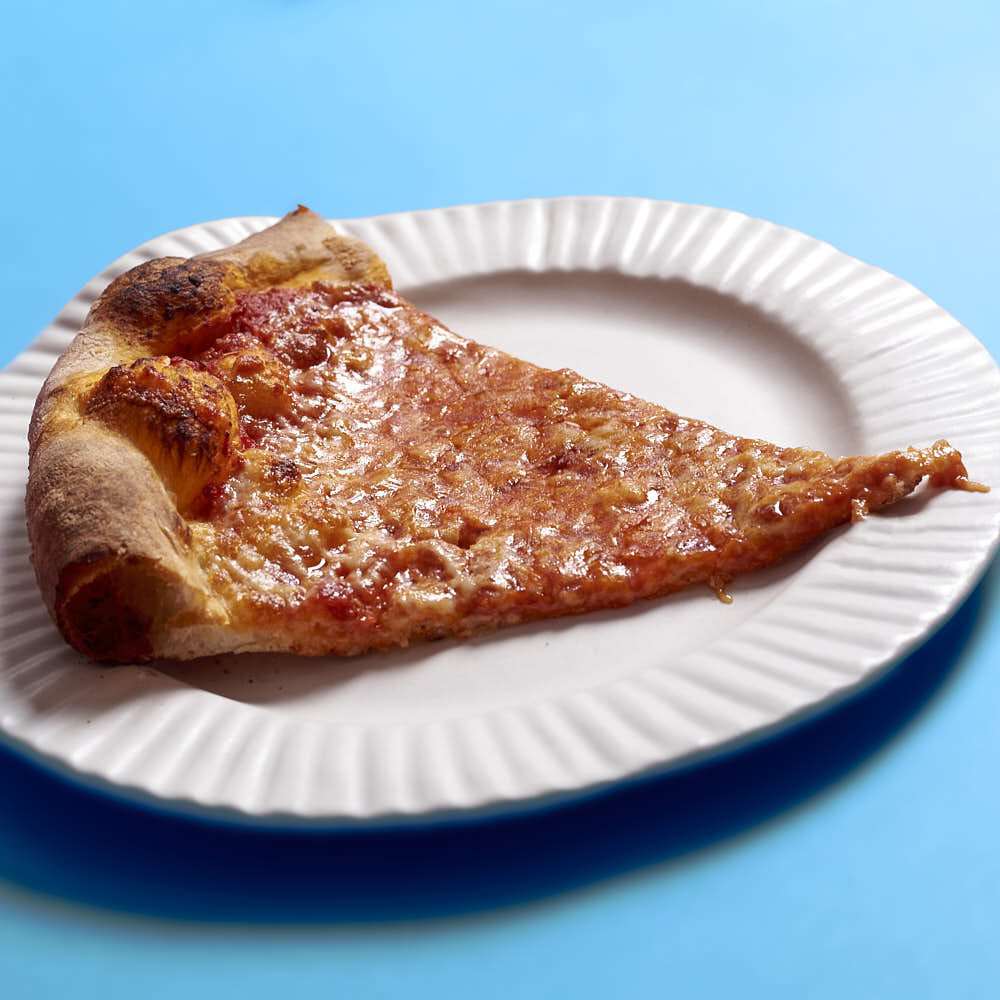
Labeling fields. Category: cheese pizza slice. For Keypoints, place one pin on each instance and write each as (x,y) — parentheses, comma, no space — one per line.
(267,448)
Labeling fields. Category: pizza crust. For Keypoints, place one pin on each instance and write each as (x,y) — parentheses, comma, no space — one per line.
(110,550)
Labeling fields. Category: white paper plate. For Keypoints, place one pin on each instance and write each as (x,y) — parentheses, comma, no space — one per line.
(753,327)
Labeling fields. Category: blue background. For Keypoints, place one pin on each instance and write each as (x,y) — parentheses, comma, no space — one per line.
(856,856)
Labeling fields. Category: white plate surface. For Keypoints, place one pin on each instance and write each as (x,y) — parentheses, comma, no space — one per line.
(756,328)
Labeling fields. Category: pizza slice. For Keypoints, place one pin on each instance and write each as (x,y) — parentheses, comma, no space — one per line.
(267,448)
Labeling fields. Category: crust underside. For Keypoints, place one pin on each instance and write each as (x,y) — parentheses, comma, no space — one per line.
(265,448)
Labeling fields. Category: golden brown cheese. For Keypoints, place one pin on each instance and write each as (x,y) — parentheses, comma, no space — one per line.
(400,480)
(178,415)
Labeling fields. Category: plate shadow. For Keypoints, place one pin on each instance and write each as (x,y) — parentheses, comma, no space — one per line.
(59,839)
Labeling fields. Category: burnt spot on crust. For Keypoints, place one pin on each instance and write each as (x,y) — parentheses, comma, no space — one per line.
(156,302)
(180,416)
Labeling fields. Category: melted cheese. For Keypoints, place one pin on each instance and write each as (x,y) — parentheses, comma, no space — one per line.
(399,481)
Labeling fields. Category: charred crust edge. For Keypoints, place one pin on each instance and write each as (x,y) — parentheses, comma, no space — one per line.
(151,299)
